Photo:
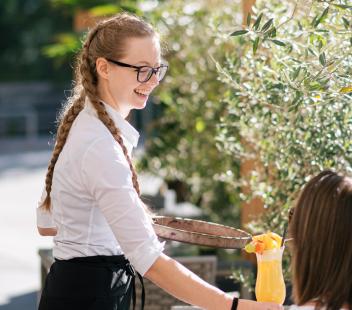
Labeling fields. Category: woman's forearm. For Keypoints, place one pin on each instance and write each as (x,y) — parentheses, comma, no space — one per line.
(186,286)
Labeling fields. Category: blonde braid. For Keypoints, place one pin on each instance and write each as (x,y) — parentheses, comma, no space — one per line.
(89,78)
(109,123)
(68,115)
(64,128)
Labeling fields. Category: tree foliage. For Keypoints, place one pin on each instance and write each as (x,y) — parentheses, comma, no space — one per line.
(281,95)
(26,27)
(184,146)
(289,98)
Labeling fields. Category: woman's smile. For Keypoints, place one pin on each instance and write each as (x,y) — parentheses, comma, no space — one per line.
(144,94)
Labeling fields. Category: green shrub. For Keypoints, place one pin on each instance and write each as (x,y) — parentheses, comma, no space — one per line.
(289,97)
(184,146)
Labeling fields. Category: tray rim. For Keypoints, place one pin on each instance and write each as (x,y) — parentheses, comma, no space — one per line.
(247,237)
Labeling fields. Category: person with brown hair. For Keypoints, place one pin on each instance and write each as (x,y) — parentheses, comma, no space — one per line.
(321,228)
(91,204)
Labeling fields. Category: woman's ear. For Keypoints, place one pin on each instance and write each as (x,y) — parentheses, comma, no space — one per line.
(102,67)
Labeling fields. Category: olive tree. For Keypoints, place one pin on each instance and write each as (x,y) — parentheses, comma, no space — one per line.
(184,146)
(289,98)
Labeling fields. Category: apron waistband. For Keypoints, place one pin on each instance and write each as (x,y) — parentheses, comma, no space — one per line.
(99,259)
(111,261)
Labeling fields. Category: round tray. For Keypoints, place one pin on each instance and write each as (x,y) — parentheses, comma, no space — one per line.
(200,232)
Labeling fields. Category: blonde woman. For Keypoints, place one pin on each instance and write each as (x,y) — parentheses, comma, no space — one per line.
(91,204)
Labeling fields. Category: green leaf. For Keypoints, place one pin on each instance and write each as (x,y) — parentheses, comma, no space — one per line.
(238,33)
(69,3)
(322,59)
(104,10)
(257,22)
(267,24)
(314,86)
(300,27)
(346,22)
(346,90)
(296,73)
(324,14)
(314,21)
(317,21)
(289,47)
(293,107)
(277,42)
(312,51)
(271,33)
(66,44)
(200,125)
(296,60)
(249,18)
(298,97)
(320,45)
(343,6)
(255,45)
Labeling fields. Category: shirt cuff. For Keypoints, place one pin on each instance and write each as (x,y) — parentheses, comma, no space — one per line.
(44,218)
(145,255)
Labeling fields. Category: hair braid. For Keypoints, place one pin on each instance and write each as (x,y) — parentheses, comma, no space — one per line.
(64,127)
(109,123)
(89,78)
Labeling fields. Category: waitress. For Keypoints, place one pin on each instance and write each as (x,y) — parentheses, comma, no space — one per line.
(103,234)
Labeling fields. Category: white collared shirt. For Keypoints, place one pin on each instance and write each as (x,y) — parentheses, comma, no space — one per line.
(94,204)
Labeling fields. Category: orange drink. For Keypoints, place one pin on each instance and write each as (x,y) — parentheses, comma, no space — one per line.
(270,285)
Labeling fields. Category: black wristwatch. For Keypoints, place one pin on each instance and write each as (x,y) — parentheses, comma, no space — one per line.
(234,304)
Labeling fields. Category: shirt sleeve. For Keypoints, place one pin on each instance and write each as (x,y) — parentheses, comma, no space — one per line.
(106,173)
(44,218)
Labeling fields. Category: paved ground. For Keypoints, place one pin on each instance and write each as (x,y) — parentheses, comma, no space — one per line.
(21,180)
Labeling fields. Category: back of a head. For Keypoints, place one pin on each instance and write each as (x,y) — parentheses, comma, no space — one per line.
(321,228)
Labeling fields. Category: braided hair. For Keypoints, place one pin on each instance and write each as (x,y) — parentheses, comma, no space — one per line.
(107,39)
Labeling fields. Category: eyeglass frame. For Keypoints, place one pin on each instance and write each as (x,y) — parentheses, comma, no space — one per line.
(138,68)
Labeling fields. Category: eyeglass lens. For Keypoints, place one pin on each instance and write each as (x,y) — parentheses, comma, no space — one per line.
(144,74)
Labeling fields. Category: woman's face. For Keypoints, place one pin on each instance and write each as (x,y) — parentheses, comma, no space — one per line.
(122,85)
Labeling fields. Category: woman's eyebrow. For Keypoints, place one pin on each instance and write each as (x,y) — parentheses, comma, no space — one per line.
(148,63)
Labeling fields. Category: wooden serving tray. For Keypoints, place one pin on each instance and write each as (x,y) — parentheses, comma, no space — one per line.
(200,232)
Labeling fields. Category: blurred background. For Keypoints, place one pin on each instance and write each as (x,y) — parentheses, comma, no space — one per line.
(257,99)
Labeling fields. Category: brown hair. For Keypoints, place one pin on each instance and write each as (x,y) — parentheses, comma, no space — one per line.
(107,39)
(321,228)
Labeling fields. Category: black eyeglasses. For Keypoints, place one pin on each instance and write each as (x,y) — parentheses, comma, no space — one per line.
(144,73)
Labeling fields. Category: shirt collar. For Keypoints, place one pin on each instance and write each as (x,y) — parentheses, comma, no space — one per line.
(127,130)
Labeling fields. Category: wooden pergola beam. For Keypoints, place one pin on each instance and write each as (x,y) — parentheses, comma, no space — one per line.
(246,8)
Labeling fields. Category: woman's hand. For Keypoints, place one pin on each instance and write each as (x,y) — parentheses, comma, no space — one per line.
(244,304)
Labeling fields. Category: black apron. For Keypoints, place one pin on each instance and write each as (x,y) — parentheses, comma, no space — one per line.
(91,283)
